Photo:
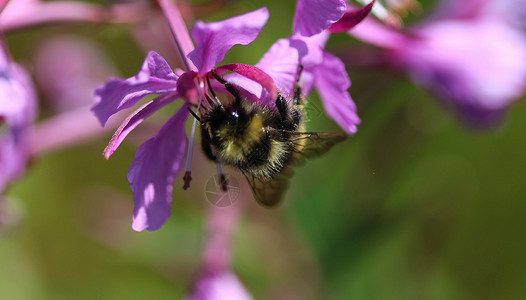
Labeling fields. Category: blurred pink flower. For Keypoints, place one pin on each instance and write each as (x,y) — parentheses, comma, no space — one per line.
(17,114)
(68,68)
(218,286)
(216,281)
(18,14)
(23,13)
(473,58)
(313,16)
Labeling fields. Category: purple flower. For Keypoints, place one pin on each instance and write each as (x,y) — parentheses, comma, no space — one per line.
(18,14)
(17,113)
(218,286)
(314,16)
(68,69)
(512,12)
(22,13)
(215,280)
(327,74)
(471,57)
(161,158)
(321,69)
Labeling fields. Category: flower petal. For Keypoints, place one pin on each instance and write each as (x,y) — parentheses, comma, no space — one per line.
(12,158)
(311,54)
(186,87)
(314,16)
(455,60)
(135,119)
(18,102)
(332,83)
(253,73)
(155,77)
(376,33)
(213,40)
(466,9)
(20,14)
(351,18)
(151,173)
(178,30)
(68,69)
(218,286)
(280,63)
(512,11)
(477,117)
(17,113)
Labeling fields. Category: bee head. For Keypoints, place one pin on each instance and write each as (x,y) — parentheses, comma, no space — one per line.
(227,117)
(234,116)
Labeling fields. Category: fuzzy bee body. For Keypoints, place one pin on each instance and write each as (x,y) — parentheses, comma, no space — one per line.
(261,141)
(241,135)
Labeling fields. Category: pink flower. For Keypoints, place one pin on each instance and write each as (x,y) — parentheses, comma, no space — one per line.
(22,13)
(68,68)
(321,70)
(161,158)
(470,56)
(218,286)
(19,14)
(17,114)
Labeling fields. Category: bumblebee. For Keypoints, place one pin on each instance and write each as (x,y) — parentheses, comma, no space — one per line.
(262,142)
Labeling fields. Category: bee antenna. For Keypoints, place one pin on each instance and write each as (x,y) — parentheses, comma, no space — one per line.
(210,88)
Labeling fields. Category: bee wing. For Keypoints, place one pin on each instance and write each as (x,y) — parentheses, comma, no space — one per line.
(270,191)
(309,144)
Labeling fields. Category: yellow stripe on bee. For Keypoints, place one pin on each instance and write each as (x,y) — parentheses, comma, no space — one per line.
(254,132)
(235,147)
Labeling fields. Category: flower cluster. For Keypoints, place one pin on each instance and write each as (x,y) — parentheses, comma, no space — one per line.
(470,54)
(17,113)
(161,158)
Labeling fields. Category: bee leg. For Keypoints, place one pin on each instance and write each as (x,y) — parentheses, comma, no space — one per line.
(206,141)
(296,117)
(222,178)
(289,117)
(282,107)
(297,100)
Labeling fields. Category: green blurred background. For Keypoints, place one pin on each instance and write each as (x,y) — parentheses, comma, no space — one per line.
(414,206)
